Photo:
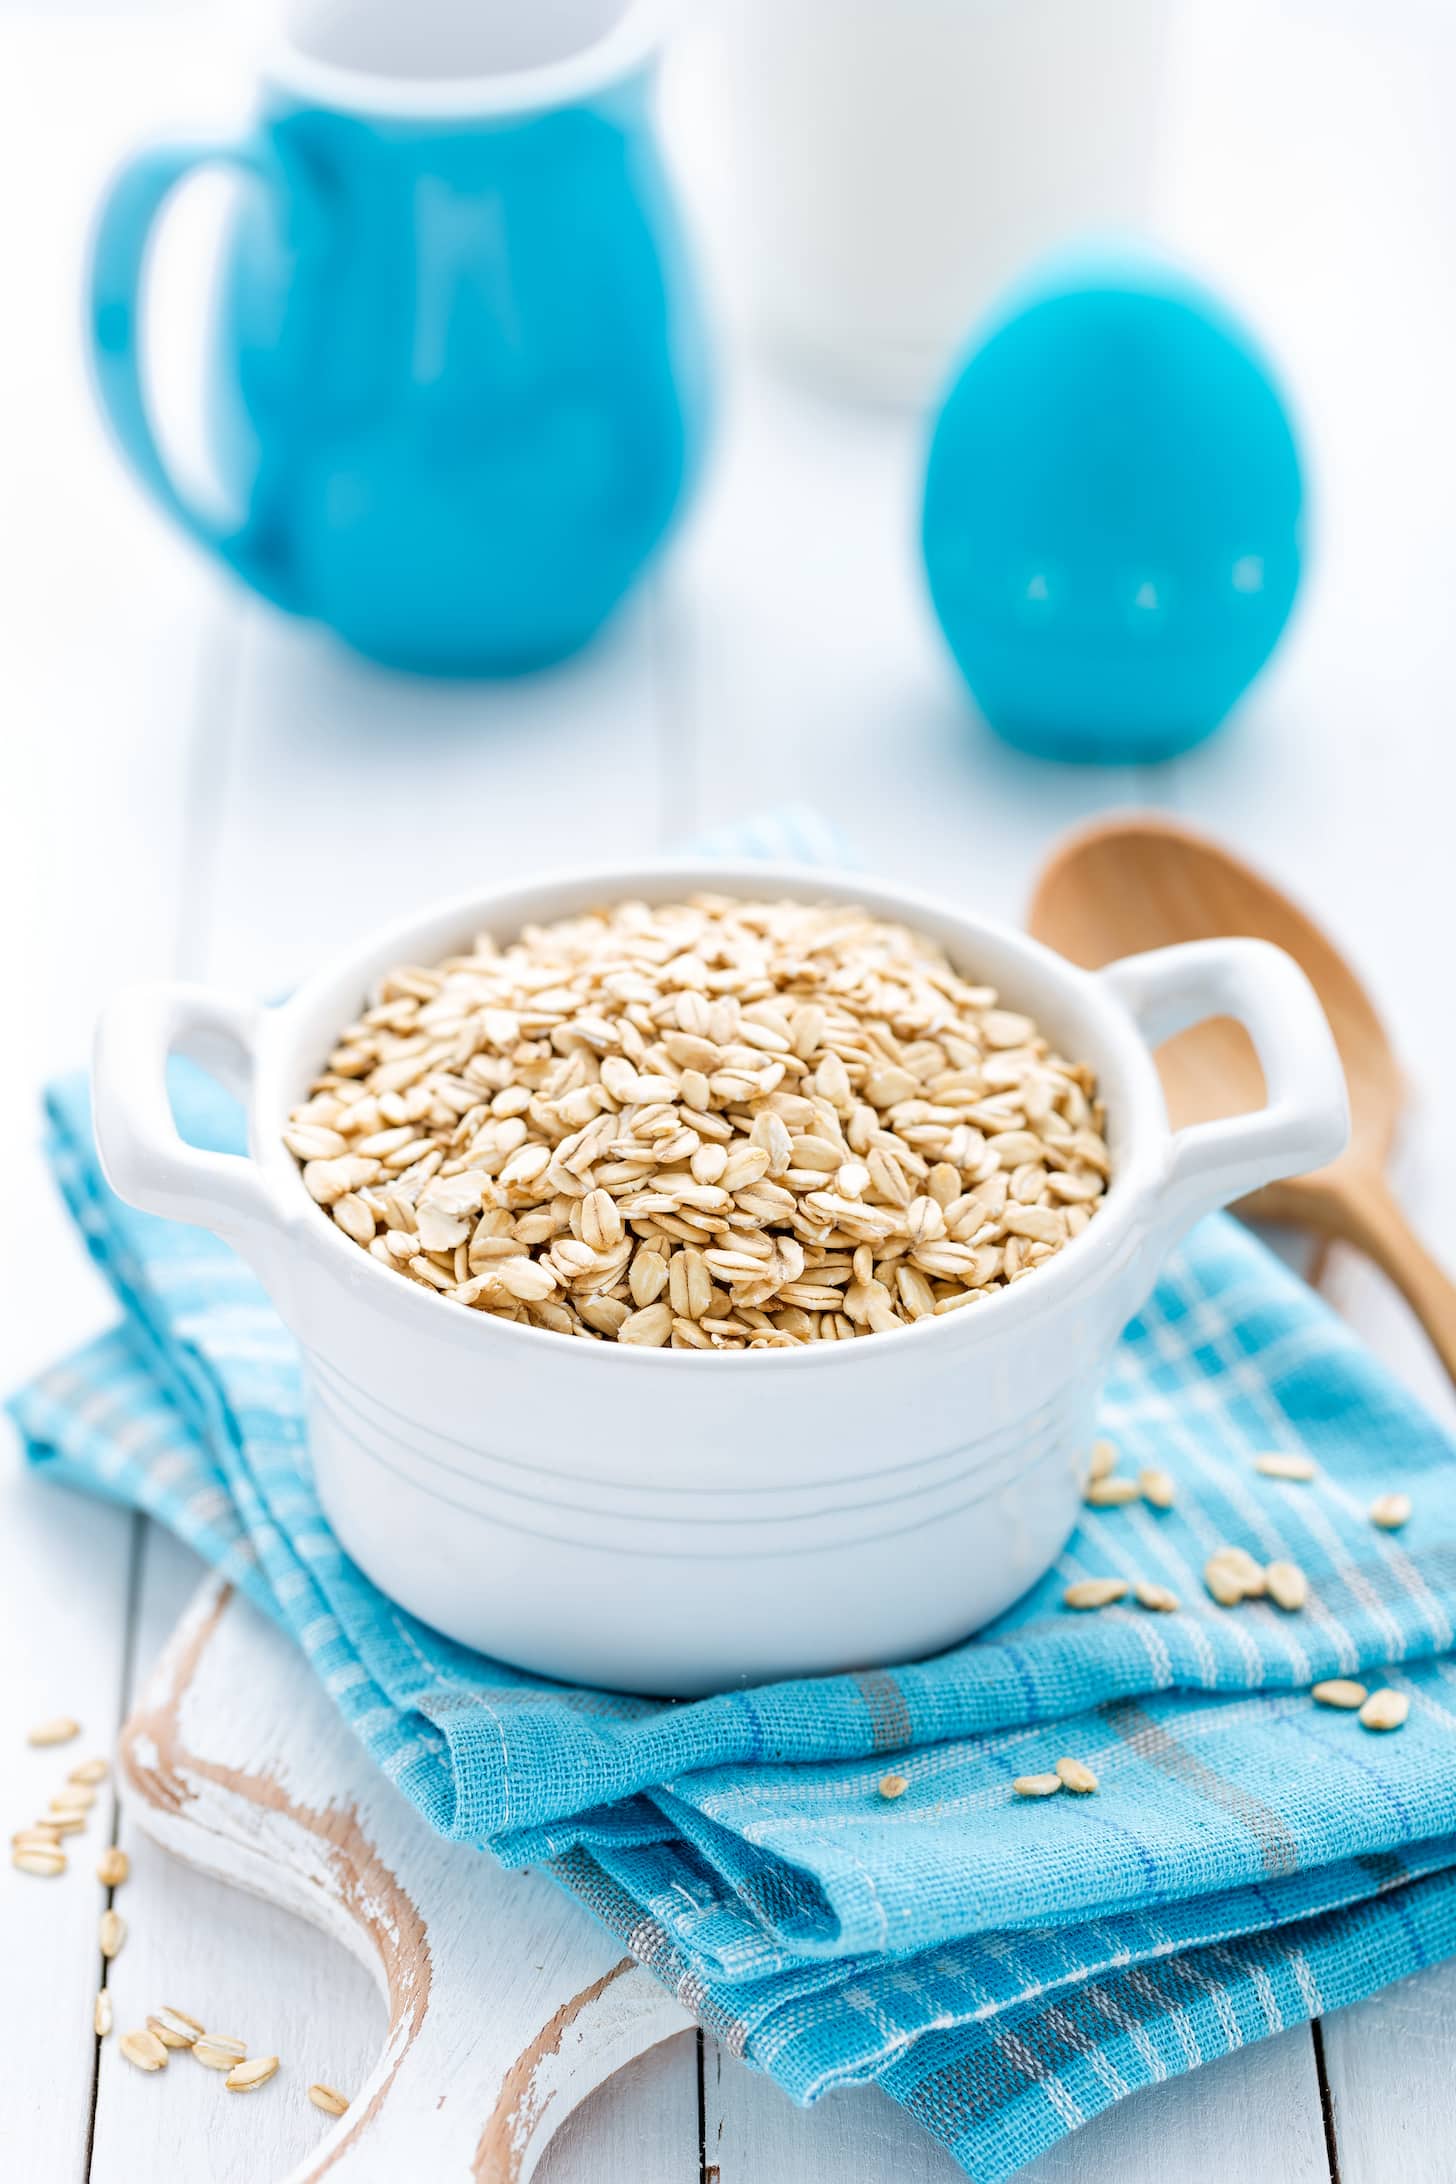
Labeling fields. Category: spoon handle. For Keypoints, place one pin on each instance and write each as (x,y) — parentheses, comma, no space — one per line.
(1370,1218)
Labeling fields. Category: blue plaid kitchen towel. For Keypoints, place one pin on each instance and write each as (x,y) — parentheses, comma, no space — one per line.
(1004,1968)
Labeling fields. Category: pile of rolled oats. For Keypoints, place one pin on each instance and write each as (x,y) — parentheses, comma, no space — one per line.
(717,1124)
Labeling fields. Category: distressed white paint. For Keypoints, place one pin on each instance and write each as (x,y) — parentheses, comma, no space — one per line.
(505,2006)
(164,744)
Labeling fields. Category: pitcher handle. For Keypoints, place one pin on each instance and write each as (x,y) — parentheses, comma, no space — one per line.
(119,251)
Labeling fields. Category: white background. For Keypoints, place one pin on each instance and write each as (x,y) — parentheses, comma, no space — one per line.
(189,785)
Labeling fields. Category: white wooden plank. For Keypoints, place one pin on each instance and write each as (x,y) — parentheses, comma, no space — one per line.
(246,1966)
(1253,2108)
(238,1965)
(1388,2064)
(752,2131)
(63,1582)
(108,630)
(111,636)
(506,2006)
(642,2124)
(243,1967)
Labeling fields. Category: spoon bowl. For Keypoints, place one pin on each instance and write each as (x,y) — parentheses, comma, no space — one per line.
(1144,881)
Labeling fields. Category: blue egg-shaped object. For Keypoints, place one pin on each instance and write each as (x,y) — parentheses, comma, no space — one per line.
(1113,512)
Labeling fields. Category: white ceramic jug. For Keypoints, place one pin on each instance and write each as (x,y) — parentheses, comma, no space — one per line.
(896,162)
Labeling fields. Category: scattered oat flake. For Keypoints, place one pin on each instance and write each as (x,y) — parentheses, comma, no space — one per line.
(73,1797)
(1160,1598)
(894,1785)
(1112,1492)
(169,2032)
(40,1835)
(89,1771)
(1076,1777)
(218,2051)
(1390,1511)
(1279,1464)
(1249,1572)
(1339,1691)
(1222,1583)
(1156,1487)
(1286,1585)
(1104,1460)
(246,2077)
(1385,1709)
(175,2026)
(112,1933)
(47,1861)
(112,1867)
(326,2097)
(1231,1575)
(1095,1592)
(144,2049)
(101,2016)
(1037,1785)
(59,1730)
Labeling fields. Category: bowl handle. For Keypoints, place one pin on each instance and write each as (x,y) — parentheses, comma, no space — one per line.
(1306,1120)
(145,1159)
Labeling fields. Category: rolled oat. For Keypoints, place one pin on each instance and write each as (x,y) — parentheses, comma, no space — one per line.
(718,1124)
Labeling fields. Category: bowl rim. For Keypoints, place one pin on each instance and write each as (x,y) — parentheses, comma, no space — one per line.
(1134,1178)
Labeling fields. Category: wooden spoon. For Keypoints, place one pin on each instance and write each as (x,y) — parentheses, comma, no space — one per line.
(1143,881)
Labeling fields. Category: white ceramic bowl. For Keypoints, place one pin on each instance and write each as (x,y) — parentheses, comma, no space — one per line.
(670,1521)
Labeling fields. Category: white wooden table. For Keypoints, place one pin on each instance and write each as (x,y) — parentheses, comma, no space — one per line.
(182,780)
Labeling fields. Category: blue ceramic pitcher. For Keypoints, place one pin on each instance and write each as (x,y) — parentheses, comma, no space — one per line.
(458,390)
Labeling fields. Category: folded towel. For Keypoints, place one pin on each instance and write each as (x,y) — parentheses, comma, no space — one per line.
(1004,1968)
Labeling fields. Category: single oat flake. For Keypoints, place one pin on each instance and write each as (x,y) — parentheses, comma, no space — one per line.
(246,2077)
(1112,1492)
(218,2051)
(1385,1709)
(1339,1691)
(60,1729)
(1277,1464)
(45,1861)
(1286,1585)
(1037,1785)
(1103,1460)
(1095,1592)
(144,2049)
(174,2029)
(1077,1777)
